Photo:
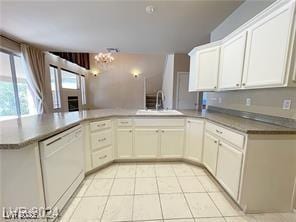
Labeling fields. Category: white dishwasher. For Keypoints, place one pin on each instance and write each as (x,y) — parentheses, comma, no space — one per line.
(62,166)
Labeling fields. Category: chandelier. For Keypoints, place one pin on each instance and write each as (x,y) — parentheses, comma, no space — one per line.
(103,60)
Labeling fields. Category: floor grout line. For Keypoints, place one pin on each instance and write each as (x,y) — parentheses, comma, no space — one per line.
(184,194)
(158,194)
(108,197)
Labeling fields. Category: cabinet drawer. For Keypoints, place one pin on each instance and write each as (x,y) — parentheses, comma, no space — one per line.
(100,125)
(102,156)
(159,122)
(232,137)
(101,139)
(124,122)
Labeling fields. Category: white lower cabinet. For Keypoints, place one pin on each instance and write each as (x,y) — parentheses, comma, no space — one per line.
(171,142)
(229,166)
(210,152)
(124,143)
(194,139)
(146,142)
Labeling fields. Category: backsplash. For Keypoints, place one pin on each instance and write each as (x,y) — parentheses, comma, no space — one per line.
(263,101)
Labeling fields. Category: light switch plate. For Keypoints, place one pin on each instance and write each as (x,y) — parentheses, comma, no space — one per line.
(248,101)
(287,104)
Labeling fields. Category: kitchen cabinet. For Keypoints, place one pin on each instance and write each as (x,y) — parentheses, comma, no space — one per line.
(194,139)
(124,143)
(210,152)
(229,166)
(204,67)
(193,72)
(232,62)
(268,48)
(146,142)
(171,142)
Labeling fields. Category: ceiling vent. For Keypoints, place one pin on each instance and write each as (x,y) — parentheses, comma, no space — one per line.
(113,50)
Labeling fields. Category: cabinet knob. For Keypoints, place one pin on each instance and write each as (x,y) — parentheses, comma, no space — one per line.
(237,84)
(215,87)
(244,84)
(156,131)
(215,141)
(130,131)
(162,131)
(220,144)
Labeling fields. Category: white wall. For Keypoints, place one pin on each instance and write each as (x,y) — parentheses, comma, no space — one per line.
(242,14)
(168,82)
(264,101)
(117,88)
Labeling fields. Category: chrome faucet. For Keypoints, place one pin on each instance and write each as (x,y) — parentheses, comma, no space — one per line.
(159,105)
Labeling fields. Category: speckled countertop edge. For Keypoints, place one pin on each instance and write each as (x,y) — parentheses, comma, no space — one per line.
(221,119)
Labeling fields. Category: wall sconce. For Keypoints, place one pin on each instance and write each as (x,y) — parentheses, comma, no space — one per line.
(95,72)
(136,73)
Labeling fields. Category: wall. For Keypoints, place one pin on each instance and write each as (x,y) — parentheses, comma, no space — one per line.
(242,14)
(264,101)
(168,82)
(117,88)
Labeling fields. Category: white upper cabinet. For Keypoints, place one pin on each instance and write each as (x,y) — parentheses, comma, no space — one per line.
(204,67)
(267,53)
(193,72)
(232,62)
(259,54)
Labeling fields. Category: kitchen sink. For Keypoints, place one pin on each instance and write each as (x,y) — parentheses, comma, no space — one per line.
(158,112)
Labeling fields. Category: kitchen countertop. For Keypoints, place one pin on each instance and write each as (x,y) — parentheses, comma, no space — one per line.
(17,133)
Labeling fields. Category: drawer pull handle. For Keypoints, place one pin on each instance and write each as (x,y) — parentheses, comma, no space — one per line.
(101,125)
(100,140)
(125,122)
(219,131)
(102,157)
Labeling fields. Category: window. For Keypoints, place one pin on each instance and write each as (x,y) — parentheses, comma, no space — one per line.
(69,80)
(54,84)
(82,88)
(15,96)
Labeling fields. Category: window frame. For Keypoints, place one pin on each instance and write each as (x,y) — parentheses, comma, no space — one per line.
(77,79)
(14,80)
(57,86)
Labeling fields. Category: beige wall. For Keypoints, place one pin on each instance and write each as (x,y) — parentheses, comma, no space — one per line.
(168,82)
(264,101)
(117,88)
(181,64)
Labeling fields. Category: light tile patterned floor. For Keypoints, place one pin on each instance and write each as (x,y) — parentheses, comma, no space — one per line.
(166,192)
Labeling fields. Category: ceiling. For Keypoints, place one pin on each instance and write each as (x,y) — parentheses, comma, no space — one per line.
(92,26)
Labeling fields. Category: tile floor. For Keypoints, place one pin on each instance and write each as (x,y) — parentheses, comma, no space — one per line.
(166,192)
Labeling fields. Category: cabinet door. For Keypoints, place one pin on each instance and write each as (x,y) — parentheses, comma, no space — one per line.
(210,152)
(124,143)
(171,142)
(194,139)
(232,62)
(229,166)
(193,72)
(146,142)
(267,49)
(207,68)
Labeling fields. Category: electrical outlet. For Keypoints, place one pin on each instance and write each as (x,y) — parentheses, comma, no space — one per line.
(287,104)
(248,101)
(220,100)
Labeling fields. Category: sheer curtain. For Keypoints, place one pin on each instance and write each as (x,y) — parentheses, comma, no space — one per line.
(33,60)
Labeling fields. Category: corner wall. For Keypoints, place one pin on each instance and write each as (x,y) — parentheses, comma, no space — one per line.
(264,101)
